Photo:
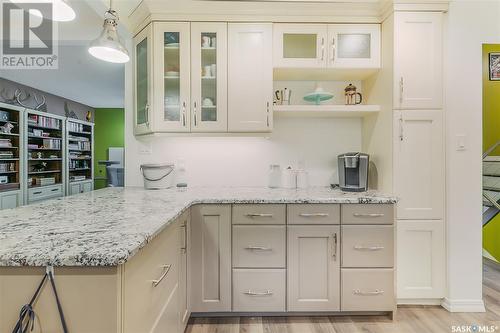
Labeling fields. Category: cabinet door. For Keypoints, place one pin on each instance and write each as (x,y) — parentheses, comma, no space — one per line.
(300,45)
(74,189)
(419,173)
(167,321)
(211,258)
(143,81)
(183,271)
(313,268)
(86,187)
(172,76)
(418,70)
(10,200)
(208,77)
(250,81)
(421,259)
(354,45)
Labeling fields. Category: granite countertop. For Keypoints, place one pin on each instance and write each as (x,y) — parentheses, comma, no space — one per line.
(107,227)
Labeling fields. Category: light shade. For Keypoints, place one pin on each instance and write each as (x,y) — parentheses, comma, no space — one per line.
(108,46)
(61,11)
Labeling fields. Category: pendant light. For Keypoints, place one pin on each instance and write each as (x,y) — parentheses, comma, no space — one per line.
(108,46)
(61,11)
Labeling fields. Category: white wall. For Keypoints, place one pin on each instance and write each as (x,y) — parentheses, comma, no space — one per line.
(470,23)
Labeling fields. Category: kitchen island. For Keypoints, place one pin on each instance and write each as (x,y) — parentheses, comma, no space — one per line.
(108,246)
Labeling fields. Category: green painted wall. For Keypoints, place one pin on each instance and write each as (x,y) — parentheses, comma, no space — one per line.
(491,134)
(109,131)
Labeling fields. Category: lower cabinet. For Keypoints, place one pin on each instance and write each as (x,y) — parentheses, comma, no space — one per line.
(368,289)
(11,199)
(168,320)
(80,187)
(44,193)
(421,260)
(184,229)
(211,258)
(313,268)
(259,290)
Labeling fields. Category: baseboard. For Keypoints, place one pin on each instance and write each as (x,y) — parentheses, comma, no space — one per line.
(463,305)
(419,301)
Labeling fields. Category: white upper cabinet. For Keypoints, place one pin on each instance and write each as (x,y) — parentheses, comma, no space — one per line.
(326,46)
(419,175)
(354,45)
(171,77)
(208,77)
(143,81)
(250,77)
(418,69)
(300,45)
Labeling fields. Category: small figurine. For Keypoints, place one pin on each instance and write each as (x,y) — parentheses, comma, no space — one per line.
(6,128)
(39,167)
(88,116)
(39,155)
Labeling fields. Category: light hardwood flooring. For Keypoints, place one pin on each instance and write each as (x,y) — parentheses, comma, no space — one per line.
(409,319)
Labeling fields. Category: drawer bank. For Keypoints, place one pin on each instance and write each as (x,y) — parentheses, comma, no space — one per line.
(226,259)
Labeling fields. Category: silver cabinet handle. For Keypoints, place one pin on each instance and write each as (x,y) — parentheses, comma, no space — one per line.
(166,269)
(368,215)
(334,49)
(322,48)
(184,114)
(194,111)
(146,111)
(253,293)
(267,114)
(401,89)
(401,136)
(334,246)
(259,215)
(368,248)
(368,293)
(314,214)
(258,248)
(184,243)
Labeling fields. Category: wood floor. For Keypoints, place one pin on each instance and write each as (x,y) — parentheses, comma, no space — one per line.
(410,319)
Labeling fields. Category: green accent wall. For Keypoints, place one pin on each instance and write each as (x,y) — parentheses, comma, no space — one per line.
(491,134)
(109,131)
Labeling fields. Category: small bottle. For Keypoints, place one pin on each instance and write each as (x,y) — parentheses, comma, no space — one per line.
(181,174)
(289,178)
(274,176)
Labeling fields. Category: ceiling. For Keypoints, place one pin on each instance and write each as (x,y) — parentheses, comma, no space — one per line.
(80,77)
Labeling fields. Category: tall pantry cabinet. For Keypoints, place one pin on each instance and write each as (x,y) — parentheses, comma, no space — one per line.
(419,156)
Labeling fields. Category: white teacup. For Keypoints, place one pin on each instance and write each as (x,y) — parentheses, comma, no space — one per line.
(205,41)
(207,71)
(207,102)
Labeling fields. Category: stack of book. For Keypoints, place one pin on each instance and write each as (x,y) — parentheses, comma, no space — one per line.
(51,144)
(6,154)
(42,121)
(5,143)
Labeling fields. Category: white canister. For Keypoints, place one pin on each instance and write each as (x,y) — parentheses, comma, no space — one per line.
(157,176)
(289,178)
(302,179)
(274,176)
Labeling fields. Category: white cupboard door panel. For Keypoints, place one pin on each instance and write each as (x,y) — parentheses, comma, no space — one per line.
(10,200)
(419,173)
(172,76)
(74,189)
(143,81)
(313,268)
(354,45)
(211,258)
(421,259)
(300,45)
(183,270)
(250,80)
(208,77)
(167,321)
(418,69)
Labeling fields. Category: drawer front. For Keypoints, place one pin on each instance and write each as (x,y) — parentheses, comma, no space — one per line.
(259,290)
(314,214)
(368,214)
(41,193)
(367,246)
(262,246)
(259,214)
(368,290)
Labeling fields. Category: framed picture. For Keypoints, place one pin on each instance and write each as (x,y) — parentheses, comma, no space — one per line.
(494,66)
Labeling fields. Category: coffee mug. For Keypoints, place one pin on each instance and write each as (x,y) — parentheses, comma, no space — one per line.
(208,102)
(205,41)
(207,71)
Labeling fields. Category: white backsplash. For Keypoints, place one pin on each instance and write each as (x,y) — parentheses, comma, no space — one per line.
(235,160)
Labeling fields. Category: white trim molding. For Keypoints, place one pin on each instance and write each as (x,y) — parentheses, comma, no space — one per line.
(463,305)
(420,301)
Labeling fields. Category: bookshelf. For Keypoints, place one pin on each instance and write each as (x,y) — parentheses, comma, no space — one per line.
(80,156)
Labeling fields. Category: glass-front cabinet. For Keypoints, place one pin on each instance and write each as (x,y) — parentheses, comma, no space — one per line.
(171,77)
(143,82)
(326,46)
(208,77)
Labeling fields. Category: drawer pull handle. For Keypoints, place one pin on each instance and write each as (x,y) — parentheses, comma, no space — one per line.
(314,214)
(55,189)
(253,293)
(368,248)
(368,293)
(259,215)
(368,215)
(334,246)
(38,192)
(166,269)
(258,248)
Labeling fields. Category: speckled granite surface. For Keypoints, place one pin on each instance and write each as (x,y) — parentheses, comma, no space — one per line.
(108,226)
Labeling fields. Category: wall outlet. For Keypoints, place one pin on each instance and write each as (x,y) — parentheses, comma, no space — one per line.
(145,148)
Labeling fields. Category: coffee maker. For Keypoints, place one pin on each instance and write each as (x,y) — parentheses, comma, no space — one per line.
(353,172)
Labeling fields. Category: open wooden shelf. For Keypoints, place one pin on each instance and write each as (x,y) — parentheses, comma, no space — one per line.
(325,110)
